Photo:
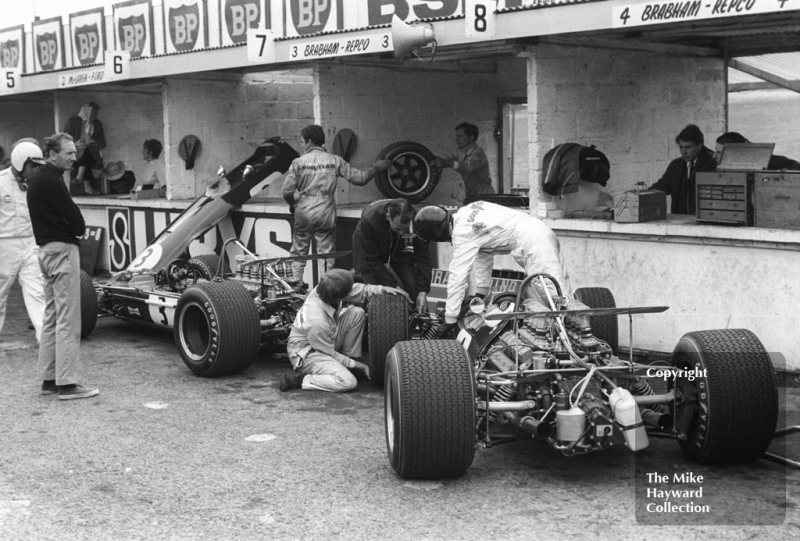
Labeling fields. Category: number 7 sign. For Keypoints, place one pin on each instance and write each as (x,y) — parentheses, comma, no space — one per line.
(480,19)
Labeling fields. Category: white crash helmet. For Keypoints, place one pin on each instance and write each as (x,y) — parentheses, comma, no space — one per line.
(23,152)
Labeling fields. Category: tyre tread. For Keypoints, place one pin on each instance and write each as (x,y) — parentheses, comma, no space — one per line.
(743,397)
(239,329)
(437,419)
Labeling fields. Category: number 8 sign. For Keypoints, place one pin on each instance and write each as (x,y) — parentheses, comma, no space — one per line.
(480,19)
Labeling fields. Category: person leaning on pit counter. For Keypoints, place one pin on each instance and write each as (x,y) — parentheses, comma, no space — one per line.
(776,162)
(678,180)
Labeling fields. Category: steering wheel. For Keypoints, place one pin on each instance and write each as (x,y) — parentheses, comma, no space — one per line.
(180,274)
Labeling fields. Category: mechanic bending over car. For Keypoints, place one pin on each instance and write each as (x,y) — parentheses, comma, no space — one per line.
(478,232)
(386,252)
(326,337)
(310,188)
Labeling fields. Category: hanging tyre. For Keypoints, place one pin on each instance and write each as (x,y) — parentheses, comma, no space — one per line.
(429,409)
(412,176)
(88,305)
(606,328)
(217,328)
(387,324)
(729,411)
(207,264)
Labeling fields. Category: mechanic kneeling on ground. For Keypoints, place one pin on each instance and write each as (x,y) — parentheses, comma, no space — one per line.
(481,230)
(387,253)
(326,337)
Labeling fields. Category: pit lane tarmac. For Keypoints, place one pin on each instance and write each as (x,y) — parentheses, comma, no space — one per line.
(163,454)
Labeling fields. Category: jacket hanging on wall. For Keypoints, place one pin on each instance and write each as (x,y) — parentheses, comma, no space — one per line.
(565,165)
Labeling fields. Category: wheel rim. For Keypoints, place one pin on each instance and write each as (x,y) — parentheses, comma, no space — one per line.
(687,406)
(389,397)
(410,173)
(194,332)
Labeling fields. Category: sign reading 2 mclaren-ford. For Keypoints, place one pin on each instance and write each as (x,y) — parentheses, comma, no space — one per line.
(660,12)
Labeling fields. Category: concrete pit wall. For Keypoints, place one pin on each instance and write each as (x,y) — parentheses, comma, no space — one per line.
(383,105)
(231,115)
(631,105)
(25,116)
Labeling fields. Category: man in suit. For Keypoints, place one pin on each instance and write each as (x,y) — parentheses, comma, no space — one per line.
(678,180)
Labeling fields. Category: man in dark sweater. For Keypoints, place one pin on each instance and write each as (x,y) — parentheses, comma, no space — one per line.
(386,253)
(678,180)
(57,223)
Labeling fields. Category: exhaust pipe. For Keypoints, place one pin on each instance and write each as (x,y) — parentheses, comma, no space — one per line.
(529,424)
(661,421)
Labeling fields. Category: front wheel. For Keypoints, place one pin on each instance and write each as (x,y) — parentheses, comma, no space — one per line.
(726,399)
(88,305)
(217,328)
(429,409)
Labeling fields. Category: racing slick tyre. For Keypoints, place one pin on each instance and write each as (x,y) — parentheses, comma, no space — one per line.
(412,176)
(88,305)
(217,328)
(429,409)
(207,264)
(387,324)
(729,410)
(606,328)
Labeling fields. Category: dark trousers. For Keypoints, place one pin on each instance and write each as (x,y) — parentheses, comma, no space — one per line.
(406,272)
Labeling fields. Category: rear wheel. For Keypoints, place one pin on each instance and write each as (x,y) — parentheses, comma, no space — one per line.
(207,264)
(88,305)
(606,328)
(726,399)
(429,409)
(217,328)
(387,325)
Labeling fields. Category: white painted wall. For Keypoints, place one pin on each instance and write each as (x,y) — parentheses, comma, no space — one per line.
(631,105)
(383,105)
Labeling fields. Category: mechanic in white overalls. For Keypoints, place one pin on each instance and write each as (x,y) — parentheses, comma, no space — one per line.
(310,189)
(18,248)
(478,232)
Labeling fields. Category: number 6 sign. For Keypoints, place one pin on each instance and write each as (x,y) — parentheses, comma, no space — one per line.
(480,19)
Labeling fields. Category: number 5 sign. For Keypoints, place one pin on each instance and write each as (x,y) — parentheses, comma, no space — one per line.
(480,19)
(118,65)
(9,81)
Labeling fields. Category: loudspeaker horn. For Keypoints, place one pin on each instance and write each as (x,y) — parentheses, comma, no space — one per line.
(407,37)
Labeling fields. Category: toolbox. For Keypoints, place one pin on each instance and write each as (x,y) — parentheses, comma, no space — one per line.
(776,199)
(640,206)
(726,195)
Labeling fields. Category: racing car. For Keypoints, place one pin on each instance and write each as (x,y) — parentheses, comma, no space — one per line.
(220,317)
(553,375)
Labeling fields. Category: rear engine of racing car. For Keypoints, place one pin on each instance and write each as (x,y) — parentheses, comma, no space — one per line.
(552,374)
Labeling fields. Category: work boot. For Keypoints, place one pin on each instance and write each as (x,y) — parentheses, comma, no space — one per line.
(49,386)
(291,381)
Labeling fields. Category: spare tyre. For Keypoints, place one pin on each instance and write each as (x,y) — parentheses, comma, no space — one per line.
(412,176)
